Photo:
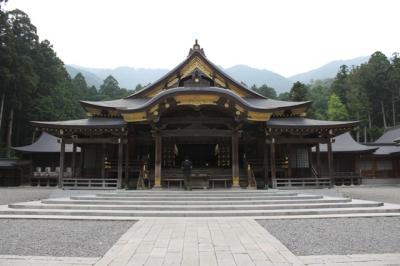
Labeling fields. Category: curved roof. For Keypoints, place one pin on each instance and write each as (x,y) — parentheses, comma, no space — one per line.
(390,136)
(300,122)
(46,143)
(131,104)
(387,150)
(346,143)
(92,122)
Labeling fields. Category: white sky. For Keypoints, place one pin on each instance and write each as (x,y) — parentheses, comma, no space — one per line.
(284,36)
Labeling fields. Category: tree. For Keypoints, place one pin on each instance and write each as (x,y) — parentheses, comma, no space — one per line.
(266,91)
(298,92)
(336,109)
(339,85)
(110,88)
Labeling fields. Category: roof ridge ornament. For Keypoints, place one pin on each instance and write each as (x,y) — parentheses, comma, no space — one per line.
(196,48)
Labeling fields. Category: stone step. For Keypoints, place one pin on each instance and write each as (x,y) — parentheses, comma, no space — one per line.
(68,207)
(195,198)
(195,203)
(190,194)
(219,213)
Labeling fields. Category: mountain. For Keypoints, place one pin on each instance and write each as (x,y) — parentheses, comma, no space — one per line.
(91,79)
(327,71)
(129,77)
(251,76)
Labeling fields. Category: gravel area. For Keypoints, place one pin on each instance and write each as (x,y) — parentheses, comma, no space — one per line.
(21,194)
(337,236)
(61,238)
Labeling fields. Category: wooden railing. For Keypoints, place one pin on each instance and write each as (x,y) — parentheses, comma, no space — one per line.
(347,178)
(90,183)
(303,182)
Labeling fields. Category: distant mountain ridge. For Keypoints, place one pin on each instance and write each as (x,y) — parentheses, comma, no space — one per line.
(328,70)
(129,77)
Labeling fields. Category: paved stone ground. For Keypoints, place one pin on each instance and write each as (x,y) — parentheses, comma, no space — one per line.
(22,194)
(337,236)
(198,242)
(61,238)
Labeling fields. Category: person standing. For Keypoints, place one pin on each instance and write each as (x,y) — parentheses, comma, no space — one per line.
(187,171)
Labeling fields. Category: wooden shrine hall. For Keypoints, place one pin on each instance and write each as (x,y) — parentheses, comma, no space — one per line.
(234,136)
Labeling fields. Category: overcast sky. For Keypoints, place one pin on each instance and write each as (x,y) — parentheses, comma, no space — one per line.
(284,36)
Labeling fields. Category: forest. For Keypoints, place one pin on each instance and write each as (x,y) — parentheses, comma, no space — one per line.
(34,85)
(369,93)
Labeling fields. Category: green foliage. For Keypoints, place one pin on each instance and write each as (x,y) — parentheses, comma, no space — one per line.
(110,89)
(266,91)
(298,92)
(336,109)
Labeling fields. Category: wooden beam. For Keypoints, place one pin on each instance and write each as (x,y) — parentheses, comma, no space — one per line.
(120,158)
(235,159)
(197,120)
(62,159)
(266,164)
(113,140)
(157,163)
(273,163)
(330,164)
(197,133)
(300,140)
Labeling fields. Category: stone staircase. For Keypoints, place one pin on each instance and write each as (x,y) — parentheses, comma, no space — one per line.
(213,203)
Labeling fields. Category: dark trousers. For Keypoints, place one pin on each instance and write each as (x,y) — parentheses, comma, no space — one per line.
(188,180)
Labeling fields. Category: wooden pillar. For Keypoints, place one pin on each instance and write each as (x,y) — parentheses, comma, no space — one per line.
(73,163)
(62,159)
(120,158)
(318,155)
(126,170)
(273,163)
(235,159)
(330,163)
(289,152)
(157,163)
(266,164)
(81,160)
(103,159)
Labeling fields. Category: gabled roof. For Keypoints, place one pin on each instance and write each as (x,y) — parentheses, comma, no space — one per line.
(196,59)
(92,122)
(45,143)
(346,144)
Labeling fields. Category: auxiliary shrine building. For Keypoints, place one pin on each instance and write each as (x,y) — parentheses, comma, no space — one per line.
(234,136)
